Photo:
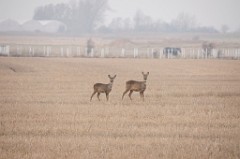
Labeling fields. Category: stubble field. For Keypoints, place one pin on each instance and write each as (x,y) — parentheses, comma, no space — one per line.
(191,109)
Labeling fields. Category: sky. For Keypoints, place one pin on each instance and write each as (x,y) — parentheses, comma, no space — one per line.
(206,12)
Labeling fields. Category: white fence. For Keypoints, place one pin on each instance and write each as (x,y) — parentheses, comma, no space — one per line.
(116,52)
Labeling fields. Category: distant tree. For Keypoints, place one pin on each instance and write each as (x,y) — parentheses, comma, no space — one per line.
(184,22)
(161,26)
(120,24)
(80,16)
(127,24)
(142,22)
(224,29)
(116,24)
(205,29)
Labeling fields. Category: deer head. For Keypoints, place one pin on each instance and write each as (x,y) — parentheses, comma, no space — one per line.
(112,78)
(145,75)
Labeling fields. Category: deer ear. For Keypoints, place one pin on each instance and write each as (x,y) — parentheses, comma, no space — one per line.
(148,73)
(109,76)
(115,76)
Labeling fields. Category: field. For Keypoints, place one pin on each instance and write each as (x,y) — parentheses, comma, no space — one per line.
(191,109)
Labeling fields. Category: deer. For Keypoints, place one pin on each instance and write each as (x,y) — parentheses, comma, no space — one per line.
(103,88)
(137,86)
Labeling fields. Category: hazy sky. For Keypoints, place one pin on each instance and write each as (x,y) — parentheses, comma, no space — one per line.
(207,12)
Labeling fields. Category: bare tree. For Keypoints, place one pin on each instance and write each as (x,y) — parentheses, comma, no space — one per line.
(224,29)
(142,22)
(90,13)
(120,24)
(184,22)
(81,16)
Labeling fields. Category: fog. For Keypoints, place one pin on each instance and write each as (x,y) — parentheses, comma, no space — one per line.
(207,12)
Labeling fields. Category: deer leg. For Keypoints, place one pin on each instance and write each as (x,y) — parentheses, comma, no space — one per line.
(125,93)
(142,95)
(107,96)
(130,94)
(98,96)
(93,95)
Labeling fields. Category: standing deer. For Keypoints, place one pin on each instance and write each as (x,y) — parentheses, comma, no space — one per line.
(137,86)
(103,88)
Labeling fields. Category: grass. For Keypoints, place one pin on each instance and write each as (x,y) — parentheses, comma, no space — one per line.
(191,109)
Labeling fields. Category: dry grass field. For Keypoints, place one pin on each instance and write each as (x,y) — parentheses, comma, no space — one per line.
(191,109)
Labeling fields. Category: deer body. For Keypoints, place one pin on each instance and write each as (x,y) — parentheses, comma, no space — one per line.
(103,88)
(137,86)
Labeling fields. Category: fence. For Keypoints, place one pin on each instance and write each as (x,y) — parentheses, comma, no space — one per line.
(116,52)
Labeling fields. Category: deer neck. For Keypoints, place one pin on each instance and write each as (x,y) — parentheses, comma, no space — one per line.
(110,85)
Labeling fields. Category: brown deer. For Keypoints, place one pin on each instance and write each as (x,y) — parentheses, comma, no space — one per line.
(137,86)
(103,88)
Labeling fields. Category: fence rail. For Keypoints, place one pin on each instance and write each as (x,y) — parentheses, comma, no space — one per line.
(115,52)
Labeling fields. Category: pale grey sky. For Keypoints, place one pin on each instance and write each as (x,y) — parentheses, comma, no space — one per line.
(207,12)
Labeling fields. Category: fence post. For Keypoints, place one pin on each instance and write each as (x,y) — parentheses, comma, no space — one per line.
(62,51)
(48,50)
(198,53)
(167,53)
(193,53)
(160,53)
(8,50)
(33,52)
(78,51)
(134,53)
(238,54)
(102,52)
(19,52)
(206,53)
(228,52)
(92,52)
(123,52)
(152,51)
(190,53)
(30,51)
(183,53)
(44,50)
(148,52)
(215,53)
(106,52)
(222,53)
(67,52)
(225,53)
(86,52)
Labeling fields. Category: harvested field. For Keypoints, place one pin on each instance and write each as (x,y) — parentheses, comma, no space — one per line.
(191,109)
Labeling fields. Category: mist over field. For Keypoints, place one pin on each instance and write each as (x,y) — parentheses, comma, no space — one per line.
(219,15)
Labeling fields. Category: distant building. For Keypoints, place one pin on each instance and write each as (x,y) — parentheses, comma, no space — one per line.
(48,26)
(32,26)
(53,26)
(10,25)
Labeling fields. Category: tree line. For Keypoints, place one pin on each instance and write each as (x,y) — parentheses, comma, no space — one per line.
(88,16)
